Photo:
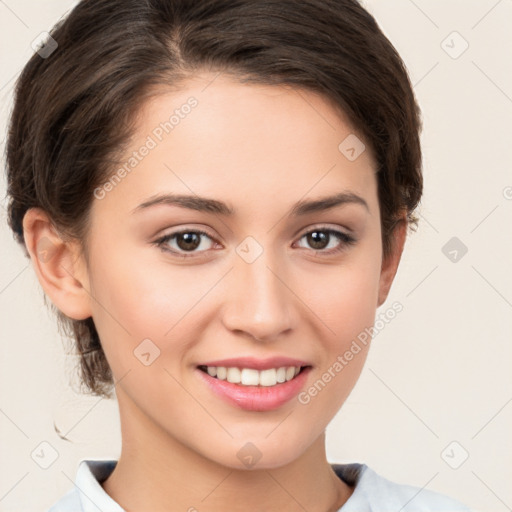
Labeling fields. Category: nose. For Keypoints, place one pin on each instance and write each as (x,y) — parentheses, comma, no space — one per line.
(260,304)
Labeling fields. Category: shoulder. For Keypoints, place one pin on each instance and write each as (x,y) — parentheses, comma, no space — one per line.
(88,495)
(69,502)
(376,493)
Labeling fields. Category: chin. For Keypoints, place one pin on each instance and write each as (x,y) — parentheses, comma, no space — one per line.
(255,453)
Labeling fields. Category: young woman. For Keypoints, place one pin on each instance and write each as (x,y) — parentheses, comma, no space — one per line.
(215,195)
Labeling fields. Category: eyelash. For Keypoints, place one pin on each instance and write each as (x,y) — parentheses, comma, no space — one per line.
(346,240)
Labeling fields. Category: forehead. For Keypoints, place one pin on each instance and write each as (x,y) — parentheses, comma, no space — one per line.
(217,137)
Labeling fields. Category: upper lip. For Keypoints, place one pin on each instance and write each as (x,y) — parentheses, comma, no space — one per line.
(255,363)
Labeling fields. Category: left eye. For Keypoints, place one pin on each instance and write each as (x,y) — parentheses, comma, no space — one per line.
(319,236)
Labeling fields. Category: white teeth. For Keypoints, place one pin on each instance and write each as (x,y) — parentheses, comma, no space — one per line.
(233,375)
(252,377)
(268,377)
(281,374)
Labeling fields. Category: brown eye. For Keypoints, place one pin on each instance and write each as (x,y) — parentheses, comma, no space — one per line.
(319,239)
(186,241)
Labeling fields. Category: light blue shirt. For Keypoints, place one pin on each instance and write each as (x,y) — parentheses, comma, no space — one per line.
(372,492)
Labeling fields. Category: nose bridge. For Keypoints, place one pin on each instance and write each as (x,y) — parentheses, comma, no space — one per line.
(260,301)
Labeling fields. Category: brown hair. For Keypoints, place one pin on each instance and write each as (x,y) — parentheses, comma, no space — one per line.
(75,106)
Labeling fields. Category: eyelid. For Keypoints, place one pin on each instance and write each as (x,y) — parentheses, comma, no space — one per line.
(187,229)
(327,227)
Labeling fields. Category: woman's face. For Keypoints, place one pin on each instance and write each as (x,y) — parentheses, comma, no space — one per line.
(268,286)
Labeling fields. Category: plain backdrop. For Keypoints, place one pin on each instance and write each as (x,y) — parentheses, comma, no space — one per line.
(433,406)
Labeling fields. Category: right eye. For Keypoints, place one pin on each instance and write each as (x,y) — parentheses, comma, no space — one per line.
(185,240)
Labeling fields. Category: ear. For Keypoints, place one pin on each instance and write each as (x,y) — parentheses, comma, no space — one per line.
(58,264)
(390,264)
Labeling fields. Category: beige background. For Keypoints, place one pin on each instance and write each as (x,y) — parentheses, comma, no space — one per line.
(438,373)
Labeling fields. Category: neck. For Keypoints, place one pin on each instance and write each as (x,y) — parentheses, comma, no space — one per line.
(159,473)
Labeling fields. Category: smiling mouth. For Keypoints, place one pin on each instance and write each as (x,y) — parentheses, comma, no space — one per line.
(253,377)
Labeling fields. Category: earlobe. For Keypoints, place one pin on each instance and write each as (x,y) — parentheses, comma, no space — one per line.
(390,264)
(58,264)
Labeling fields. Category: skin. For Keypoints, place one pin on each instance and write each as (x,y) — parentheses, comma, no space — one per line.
(260,149)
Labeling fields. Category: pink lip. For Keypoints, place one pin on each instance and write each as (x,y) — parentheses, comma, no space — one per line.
(256,364)
(256,398)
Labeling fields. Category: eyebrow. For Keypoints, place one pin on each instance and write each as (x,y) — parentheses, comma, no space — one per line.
(208,205)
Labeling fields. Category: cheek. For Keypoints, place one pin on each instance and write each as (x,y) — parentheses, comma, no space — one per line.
(348,311)
(142,294)
(357,298)
(346,305)
(345,296)
(143,298)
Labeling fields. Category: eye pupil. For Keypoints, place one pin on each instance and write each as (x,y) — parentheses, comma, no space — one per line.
(318,237)
(191,239)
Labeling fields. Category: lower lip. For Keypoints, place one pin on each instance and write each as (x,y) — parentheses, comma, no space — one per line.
(256,398)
